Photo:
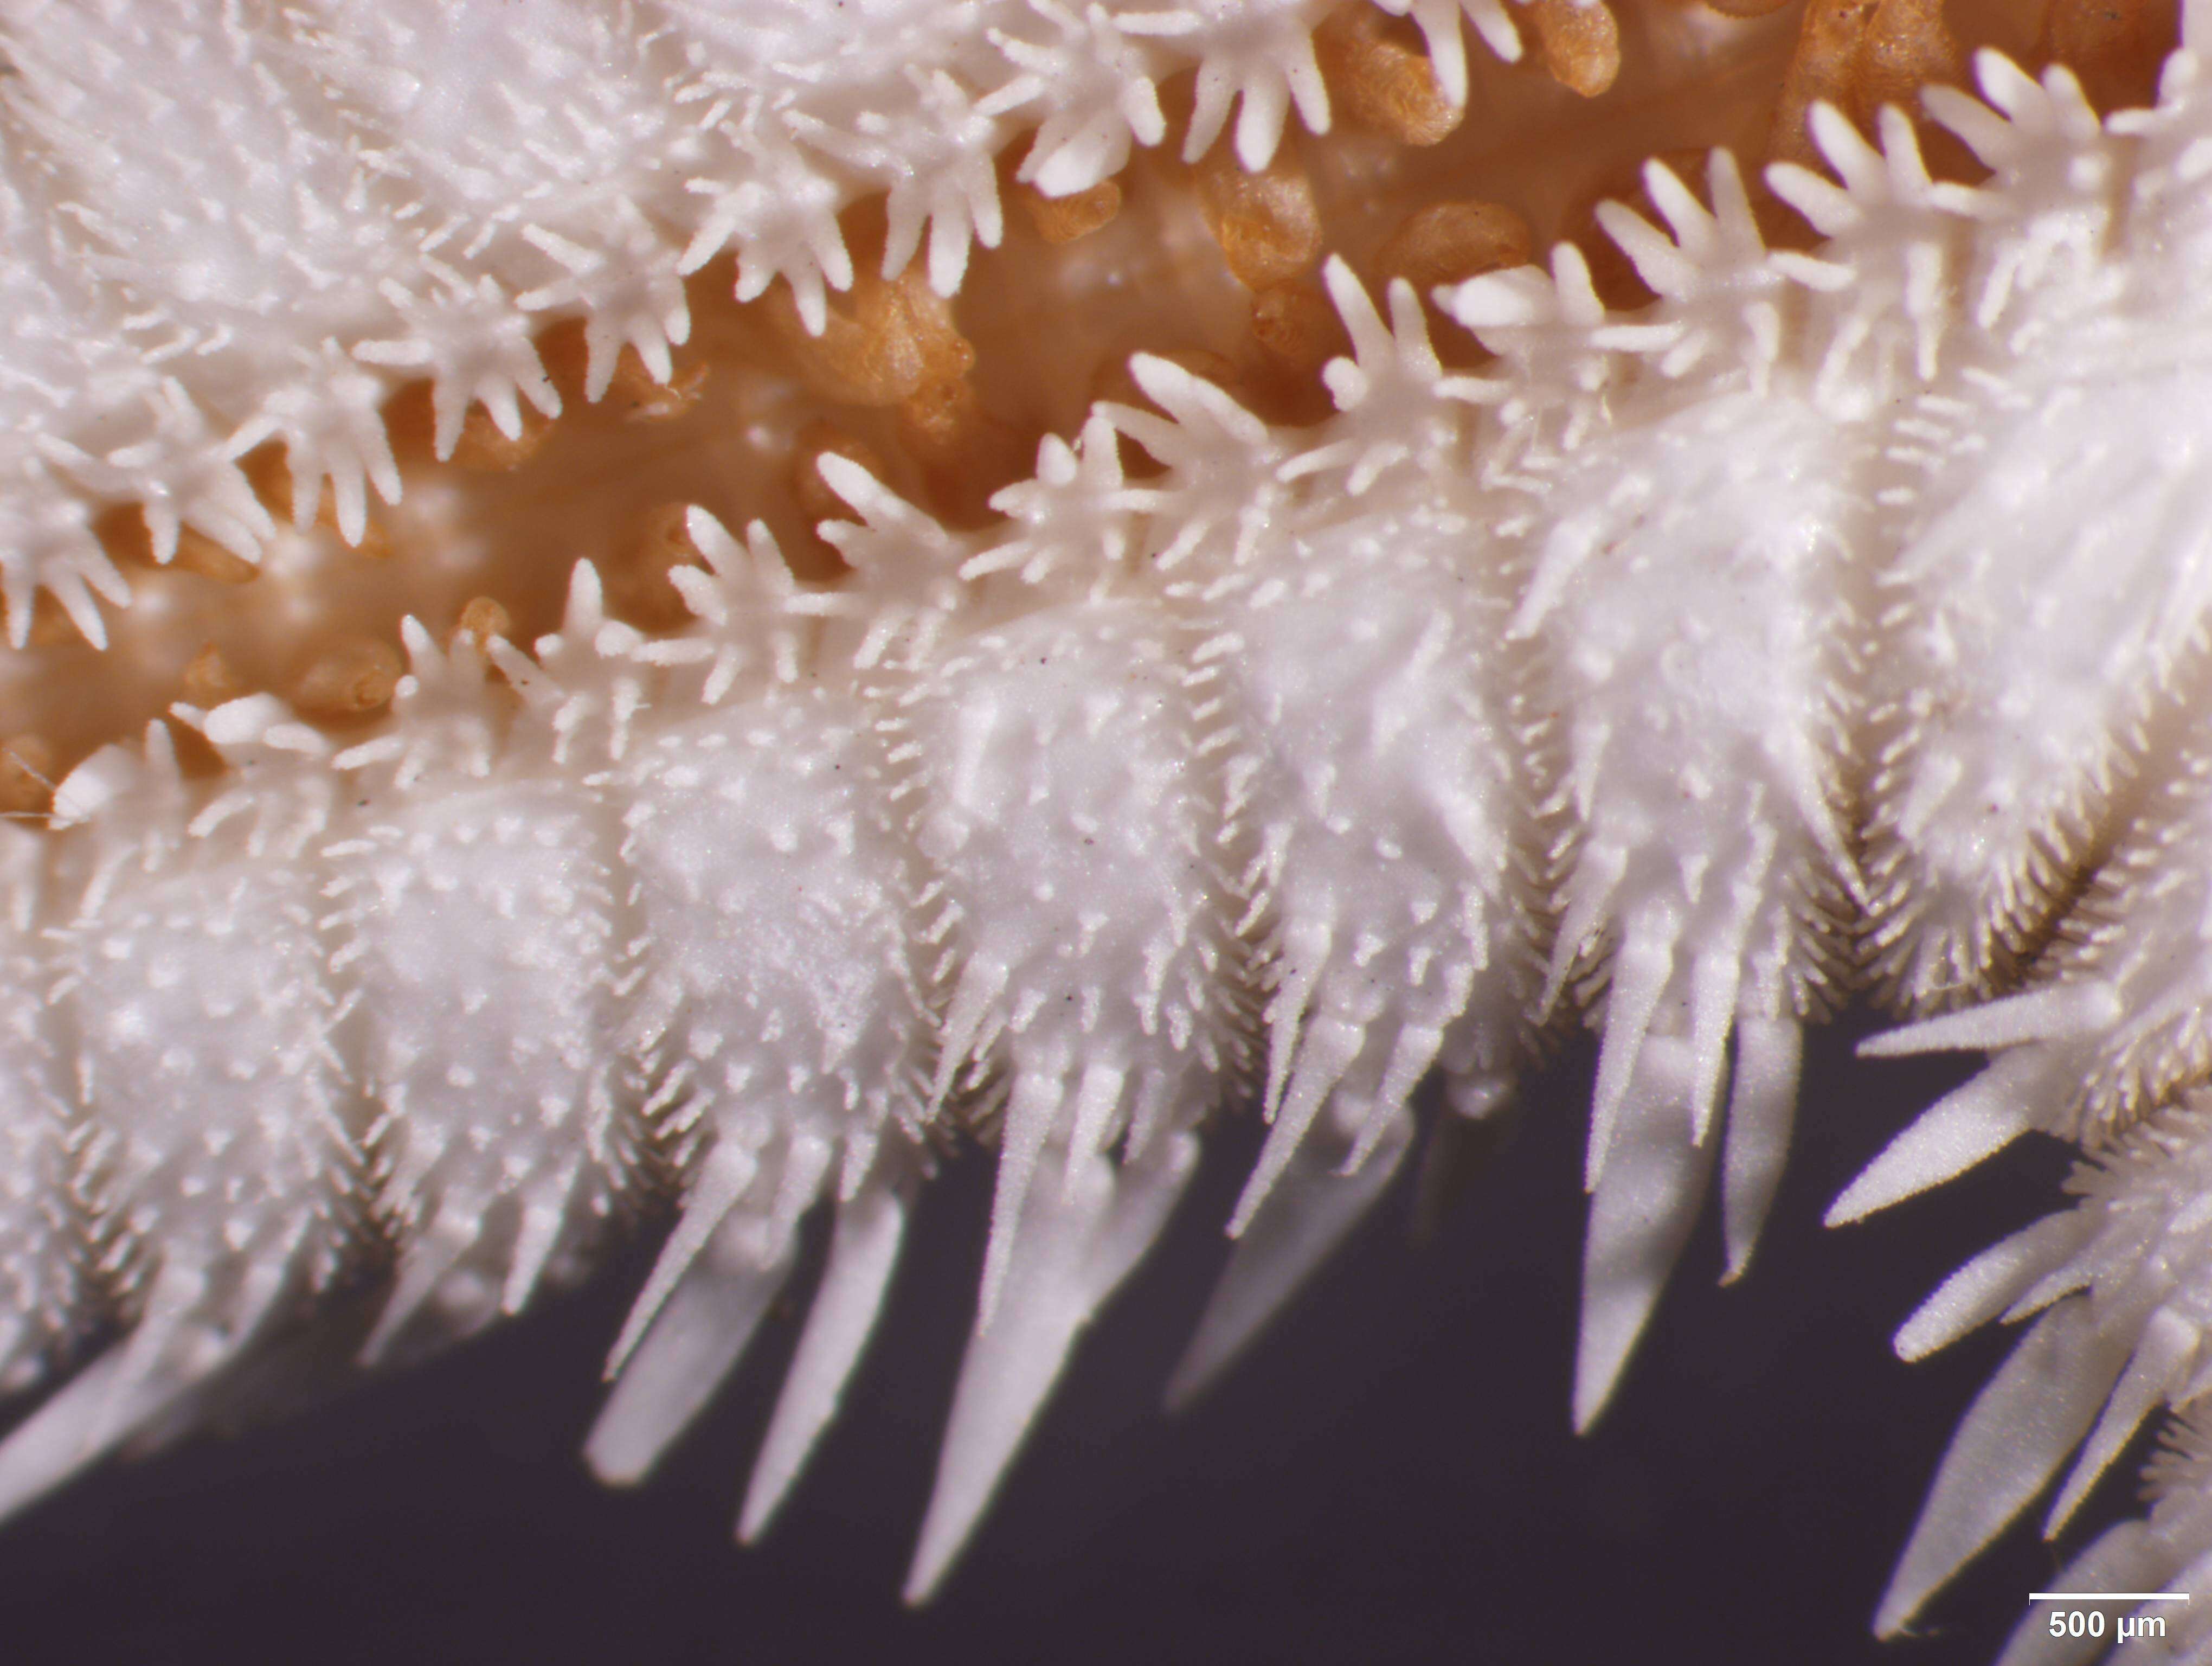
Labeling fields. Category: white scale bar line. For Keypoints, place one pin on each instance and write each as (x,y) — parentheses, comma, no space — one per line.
(2108,1596)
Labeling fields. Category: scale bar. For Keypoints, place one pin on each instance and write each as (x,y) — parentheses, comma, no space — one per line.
(2108,1596)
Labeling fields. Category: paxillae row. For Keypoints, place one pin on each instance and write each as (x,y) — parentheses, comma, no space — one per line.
(355,198)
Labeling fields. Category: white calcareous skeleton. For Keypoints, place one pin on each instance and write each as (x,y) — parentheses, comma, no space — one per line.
(537,695)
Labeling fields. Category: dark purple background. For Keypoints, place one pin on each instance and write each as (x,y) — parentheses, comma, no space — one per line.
(1389,1476)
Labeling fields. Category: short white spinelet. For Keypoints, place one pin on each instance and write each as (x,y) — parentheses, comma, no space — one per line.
(1693,669)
